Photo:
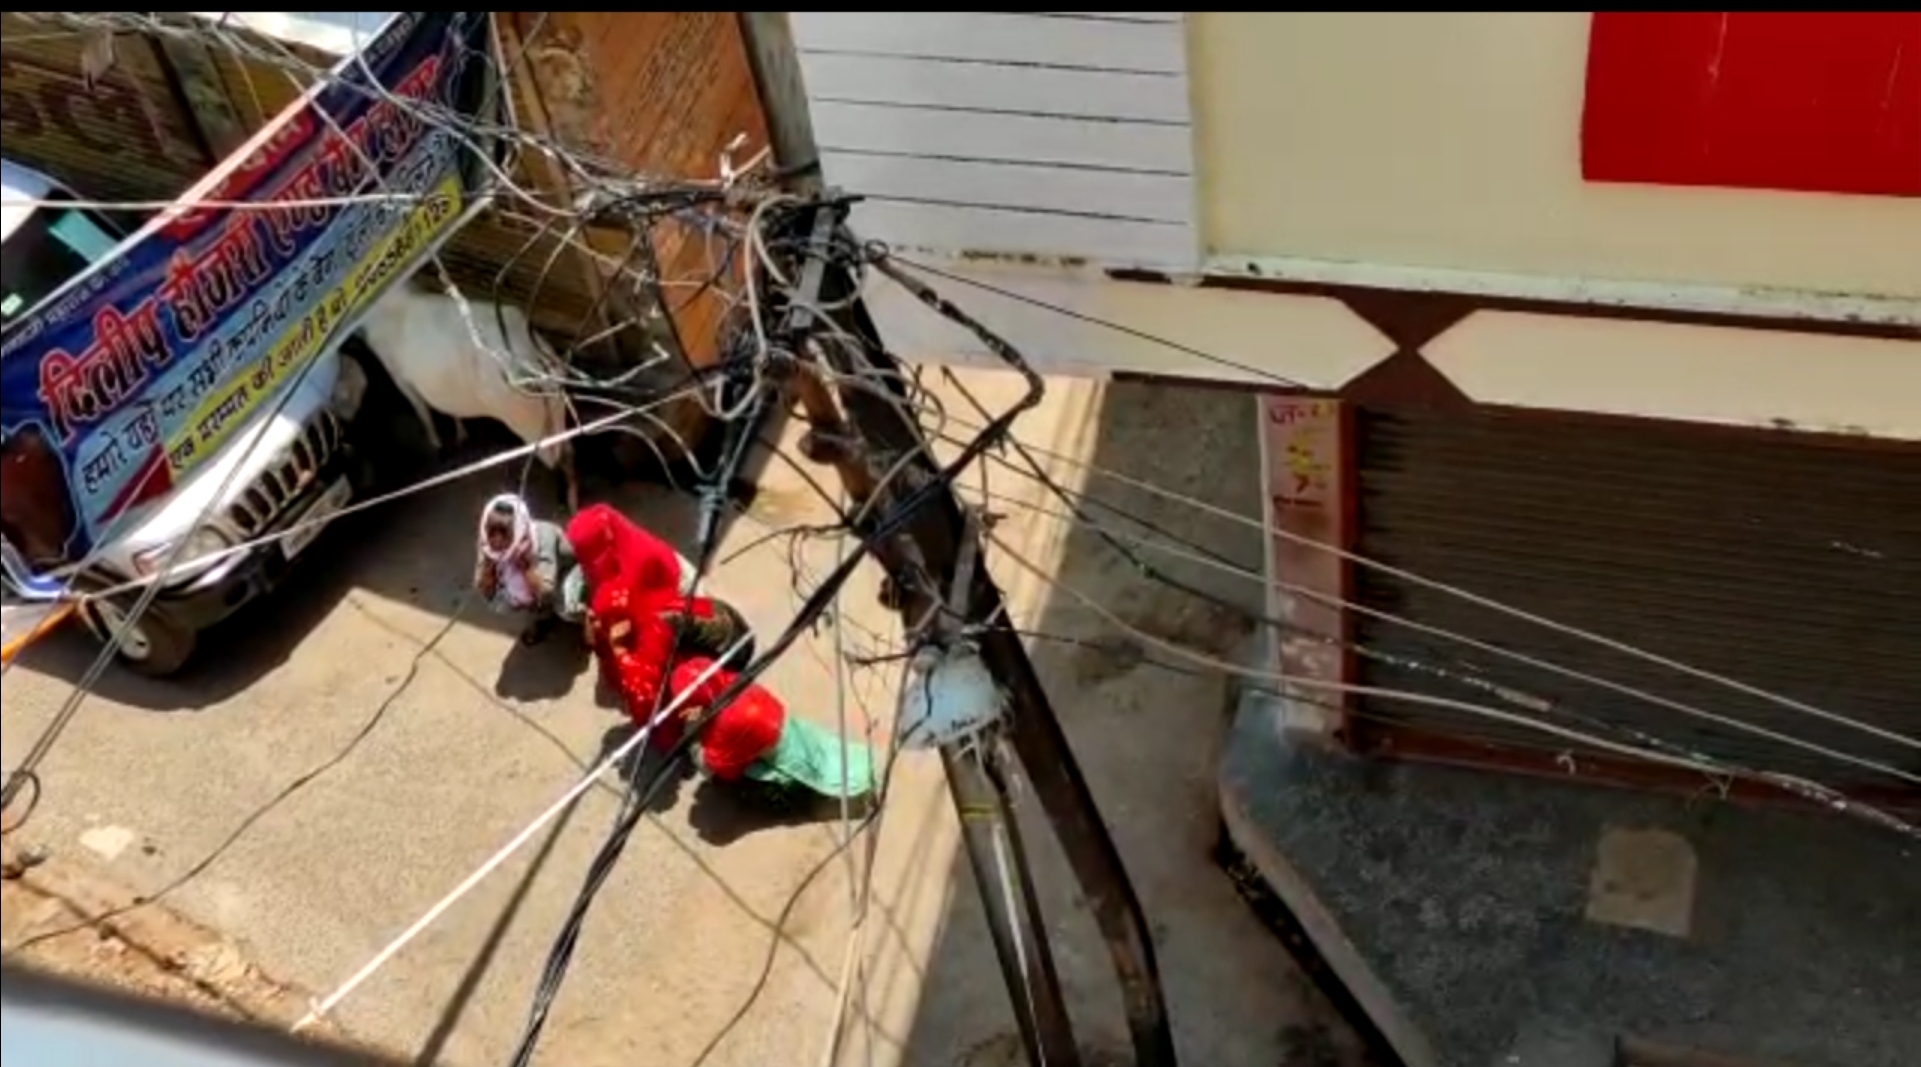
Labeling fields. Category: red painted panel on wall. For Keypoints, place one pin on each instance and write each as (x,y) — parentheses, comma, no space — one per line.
(1817,102)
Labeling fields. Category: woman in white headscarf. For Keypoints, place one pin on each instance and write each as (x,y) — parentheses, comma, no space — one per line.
(526,567)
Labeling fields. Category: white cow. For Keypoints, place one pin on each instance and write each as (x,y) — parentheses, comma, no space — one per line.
(466,370)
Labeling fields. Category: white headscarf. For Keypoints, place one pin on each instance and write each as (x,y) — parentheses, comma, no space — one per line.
(510,564)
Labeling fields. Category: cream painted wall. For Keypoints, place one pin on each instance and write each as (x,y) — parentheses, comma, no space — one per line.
(1093,327)
(1087,326)
(1451,140)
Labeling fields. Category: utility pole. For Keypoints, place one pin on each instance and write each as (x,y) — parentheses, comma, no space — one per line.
(937,578)
(942,543)
(975,776)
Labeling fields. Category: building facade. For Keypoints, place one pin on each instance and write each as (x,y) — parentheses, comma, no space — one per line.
(1587,352)
(1596,315)
(659,92)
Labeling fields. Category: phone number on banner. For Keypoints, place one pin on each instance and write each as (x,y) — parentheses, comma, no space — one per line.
(220,415)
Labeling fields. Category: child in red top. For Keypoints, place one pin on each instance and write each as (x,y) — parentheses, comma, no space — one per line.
(753,740)
(745,730)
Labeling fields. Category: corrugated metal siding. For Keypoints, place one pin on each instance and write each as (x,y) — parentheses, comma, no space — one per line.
(1053,134)
(128,138)
(1789,563)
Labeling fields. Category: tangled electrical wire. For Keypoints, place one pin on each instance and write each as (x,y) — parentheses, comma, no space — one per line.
(796,237)
(552,226)
(755,242)
(716,210)
(721,212)
(757,248)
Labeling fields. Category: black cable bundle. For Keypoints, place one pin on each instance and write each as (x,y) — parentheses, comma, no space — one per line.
(637,800)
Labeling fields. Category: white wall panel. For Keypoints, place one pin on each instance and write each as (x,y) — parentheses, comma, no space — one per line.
(1142,148)
(998,39)
(1012,234)
(1054,134)
(891,81)
(1034,189)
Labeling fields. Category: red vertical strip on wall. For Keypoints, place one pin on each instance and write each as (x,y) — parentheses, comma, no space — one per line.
(1815,102)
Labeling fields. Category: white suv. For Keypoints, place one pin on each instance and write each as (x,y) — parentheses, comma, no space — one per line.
(290,463)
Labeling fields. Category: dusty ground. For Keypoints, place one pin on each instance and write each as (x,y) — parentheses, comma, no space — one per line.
(352,749)
(62,918)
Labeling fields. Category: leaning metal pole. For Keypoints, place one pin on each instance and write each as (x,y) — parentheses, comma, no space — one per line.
(1033,731)
(975,776)
(938,540)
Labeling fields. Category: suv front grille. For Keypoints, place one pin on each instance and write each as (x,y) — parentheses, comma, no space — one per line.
(297,467)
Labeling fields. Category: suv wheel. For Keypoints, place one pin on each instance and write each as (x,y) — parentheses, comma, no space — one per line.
(155,645)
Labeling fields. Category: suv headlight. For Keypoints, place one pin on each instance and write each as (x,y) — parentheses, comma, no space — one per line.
(206,541)
(350,388)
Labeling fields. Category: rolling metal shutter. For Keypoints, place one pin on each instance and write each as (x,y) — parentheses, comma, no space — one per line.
(1789,562)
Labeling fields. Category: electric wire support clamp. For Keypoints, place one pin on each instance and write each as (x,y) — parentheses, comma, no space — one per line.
(950,696)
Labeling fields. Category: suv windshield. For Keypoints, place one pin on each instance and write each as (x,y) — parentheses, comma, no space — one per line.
(52,247)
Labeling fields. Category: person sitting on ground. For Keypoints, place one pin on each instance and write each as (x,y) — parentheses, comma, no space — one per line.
(754,740)
(526,567)
(641,613)
(638,642)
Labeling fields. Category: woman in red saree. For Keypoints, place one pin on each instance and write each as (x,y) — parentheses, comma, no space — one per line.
(614,552)
(639,610)
(645,628)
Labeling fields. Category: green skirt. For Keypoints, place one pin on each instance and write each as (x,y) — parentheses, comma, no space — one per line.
(810,756)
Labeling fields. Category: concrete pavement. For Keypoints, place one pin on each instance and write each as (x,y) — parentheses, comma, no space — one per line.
(441,741)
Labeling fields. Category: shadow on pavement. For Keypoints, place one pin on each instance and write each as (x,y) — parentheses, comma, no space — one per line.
(548,670)
(725,812)
(435,1046)
(417,551)
(642,764)
(234,654)
(1146,727)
